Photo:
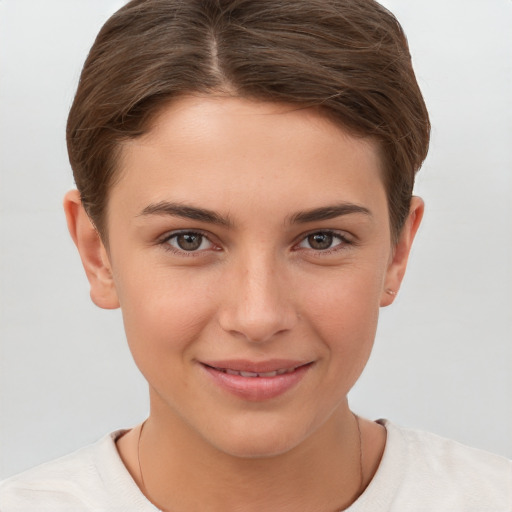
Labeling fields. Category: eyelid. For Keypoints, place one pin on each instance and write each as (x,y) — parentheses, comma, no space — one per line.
(164,239)
(346,239)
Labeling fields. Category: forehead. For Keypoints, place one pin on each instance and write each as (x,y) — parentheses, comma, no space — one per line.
(235,118)
(216,150)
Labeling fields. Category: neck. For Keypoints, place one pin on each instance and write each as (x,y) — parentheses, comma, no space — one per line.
(181,471)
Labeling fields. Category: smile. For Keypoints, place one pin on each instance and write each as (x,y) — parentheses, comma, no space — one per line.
(256,382)
(275,373)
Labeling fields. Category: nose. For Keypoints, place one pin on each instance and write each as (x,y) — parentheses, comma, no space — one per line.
(257,303)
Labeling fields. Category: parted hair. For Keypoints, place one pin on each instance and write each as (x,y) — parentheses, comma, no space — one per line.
(348,58)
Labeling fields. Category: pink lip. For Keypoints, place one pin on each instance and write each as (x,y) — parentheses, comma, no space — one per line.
(261,387)
(243,365)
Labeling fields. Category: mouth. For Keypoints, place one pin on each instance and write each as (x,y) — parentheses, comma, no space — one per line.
(275,373)
(257,381)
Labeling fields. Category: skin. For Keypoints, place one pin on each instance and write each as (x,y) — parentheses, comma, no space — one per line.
(257,288)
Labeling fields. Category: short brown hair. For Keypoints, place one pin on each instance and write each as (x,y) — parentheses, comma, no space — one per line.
(349,58)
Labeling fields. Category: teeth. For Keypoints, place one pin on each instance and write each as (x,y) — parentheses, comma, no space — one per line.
(267,374)
(248,374)
(275,373)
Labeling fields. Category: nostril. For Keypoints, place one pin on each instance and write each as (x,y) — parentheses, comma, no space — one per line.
(257,305)
(257,328)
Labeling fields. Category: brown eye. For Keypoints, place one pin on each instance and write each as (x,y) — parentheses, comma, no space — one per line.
(189,241)
(324,240)
(320,241)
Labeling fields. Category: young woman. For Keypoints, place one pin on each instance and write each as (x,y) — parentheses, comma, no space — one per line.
(245,172)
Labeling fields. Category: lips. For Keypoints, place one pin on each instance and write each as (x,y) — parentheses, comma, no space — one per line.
(256,381)
(242,373)
(244,365)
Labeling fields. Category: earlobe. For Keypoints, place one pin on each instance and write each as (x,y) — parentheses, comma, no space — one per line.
(92,251)
(396,269)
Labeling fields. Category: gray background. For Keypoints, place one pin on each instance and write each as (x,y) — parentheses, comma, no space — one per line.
(443,357)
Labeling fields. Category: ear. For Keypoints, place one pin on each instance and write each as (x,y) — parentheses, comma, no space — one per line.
(396,269)
(92,252)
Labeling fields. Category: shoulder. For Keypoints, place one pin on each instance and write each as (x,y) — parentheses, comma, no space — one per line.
(85,480)
(58,483)
(433,453)
(448,475)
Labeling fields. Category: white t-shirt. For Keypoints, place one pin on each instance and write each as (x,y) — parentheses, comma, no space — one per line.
(419,472)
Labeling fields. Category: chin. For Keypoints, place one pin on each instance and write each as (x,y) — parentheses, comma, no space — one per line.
(251,448)
(261,439)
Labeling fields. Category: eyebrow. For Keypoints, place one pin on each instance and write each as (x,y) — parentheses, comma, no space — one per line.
(186,212)
(328,212)
(211,217)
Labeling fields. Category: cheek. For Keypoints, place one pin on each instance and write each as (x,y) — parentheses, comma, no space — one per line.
(344,314)
(163,313)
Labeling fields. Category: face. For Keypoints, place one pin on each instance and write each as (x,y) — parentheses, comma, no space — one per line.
(249,250)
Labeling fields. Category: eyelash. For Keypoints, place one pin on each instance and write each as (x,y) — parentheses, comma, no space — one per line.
(164,242)
(344,241)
